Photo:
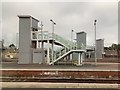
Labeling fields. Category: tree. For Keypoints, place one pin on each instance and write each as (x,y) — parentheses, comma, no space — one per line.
(118,50)
(114,46)
(12,46)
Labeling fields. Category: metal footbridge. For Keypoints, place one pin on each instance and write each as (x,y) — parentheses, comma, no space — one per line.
(68,47)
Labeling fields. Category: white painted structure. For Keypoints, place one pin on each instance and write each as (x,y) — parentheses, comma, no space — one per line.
(30,50)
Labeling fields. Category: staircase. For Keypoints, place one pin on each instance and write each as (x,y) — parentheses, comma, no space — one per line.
(65,54)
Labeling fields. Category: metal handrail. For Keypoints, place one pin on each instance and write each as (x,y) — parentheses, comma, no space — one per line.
(67,43)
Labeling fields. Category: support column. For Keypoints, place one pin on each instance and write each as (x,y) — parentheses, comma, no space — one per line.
(37,44)
(71,56)
(52,51)
(42,46)
(89,54)
(79,58)
(82,58)
(48,57)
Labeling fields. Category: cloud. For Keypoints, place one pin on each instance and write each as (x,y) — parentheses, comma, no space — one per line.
(79,16)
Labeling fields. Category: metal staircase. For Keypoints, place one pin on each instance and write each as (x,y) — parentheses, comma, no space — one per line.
(65,54)
(62,56)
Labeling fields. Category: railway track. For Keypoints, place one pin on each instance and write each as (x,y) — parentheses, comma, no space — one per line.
(87,80)
(55,76)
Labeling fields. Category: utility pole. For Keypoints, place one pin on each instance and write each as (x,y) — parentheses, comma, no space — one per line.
(72,37)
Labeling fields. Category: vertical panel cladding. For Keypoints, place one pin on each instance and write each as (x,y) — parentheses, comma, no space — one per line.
(99,48)
(25,40)
(37,56)
(81,39)
(75,56)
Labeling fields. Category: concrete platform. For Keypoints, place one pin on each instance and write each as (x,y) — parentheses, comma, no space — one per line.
(56,85)
(88,66)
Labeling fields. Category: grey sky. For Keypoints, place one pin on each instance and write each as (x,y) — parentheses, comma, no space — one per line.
(79,16)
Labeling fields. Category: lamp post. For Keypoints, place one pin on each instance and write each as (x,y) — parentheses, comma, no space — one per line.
(53,23)
(95,41)
(72,37)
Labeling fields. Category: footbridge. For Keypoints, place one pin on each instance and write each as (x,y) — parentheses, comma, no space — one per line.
(54,55)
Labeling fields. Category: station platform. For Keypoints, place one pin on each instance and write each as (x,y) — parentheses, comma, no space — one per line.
(59,85)
(87,66)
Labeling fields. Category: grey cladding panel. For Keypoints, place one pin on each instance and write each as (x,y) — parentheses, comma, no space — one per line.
(25,53)
(81,39)
(99,48)
(24,58)
(24,35)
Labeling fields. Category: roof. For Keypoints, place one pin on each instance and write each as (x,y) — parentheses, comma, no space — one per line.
(27,16)
(81,32)
(99,39)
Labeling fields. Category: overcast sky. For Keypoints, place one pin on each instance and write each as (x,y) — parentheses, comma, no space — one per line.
(78,16)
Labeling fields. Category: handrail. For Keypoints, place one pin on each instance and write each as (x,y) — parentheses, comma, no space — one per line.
(62,56)
(66,43)
(44,35)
